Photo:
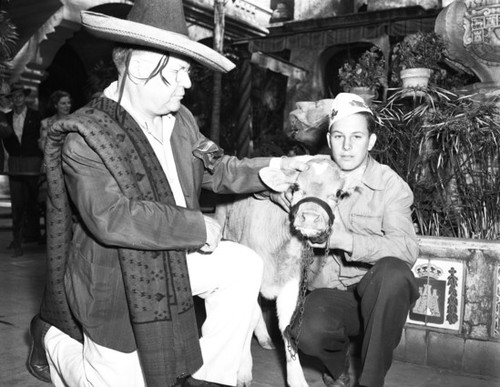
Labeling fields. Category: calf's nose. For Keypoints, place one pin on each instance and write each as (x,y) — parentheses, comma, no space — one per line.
(310,220)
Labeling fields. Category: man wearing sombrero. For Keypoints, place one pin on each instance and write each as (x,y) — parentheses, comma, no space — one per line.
(128,246)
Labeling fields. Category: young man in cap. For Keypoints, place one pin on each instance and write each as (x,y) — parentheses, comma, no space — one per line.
(24,163)
(366,287)
(128,246)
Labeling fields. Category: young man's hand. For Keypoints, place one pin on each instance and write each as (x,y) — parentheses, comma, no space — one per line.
(282,199)
(339,239)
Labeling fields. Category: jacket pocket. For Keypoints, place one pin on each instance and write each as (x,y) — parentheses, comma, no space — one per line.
(94,291)
(366,224)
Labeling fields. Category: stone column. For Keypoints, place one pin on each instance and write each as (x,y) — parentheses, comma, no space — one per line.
(244,108)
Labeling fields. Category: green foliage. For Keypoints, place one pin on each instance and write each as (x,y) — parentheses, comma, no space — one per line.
(447,148)
(8,39)
(421,49)
(367,71)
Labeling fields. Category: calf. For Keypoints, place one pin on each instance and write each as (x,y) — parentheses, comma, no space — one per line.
(279,238)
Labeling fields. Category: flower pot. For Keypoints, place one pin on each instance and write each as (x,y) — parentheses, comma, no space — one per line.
(364,92)
(416,78)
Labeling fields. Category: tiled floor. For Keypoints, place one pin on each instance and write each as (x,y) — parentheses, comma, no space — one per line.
(21,285)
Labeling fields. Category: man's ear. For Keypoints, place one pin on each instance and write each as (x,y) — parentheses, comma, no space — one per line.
(135,68)
(372,141)
(278,180)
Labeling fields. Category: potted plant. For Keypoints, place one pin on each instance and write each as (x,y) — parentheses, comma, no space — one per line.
(418,55)
(365,75)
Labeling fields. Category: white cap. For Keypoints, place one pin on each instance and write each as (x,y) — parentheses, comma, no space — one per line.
(346,104)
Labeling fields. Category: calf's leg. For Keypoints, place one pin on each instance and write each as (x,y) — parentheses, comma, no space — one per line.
(261,332)
(285,305)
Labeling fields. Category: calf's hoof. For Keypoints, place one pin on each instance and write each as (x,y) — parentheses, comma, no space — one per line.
(244,378)
(266,344)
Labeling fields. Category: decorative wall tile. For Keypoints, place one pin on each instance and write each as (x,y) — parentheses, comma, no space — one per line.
(440,283)
(412,316)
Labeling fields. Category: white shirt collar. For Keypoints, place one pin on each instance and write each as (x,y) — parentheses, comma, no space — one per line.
(22,113)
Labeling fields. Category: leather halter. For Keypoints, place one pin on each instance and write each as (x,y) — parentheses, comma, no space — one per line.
(319,202)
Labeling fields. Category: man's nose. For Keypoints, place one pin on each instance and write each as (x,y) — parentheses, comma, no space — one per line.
(347,144)
(185,80)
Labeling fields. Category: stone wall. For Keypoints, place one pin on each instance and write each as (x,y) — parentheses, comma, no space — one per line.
(456,324)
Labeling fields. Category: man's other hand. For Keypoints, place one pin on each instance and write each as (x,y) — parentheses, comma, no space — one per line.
(214,235)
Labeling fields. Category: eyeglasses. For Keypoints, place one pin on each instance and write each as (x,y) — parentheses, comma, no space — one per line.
(167,76)
(176,74)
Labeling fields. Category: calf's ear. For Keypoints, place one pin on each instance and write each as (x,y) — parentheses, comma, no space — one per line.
(277,179)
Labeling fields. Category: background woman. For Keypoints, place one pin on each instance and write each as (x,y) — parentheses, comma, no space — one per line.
(60,103)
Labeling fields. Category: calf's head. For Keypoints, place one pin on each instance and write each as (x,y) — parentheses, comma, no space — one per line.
(315,193)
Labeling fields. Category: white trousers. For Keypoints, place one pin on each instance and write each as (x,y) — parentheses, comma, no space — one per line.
(228,280)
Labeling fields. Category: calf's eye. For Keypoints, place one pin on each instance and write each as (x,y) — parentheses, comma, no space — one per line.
(341,194)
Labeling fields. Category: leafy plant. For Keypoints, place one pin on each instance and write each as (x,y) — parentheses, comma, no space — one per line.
(421,49)
(447,148)
(368,71)
(8,39)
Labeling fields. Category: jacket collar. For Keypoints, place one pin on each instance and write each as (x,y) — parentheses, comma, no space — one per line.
(372,177)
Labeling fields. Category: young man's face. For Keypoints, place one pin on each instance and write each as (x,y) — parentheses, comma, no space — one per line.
(350,141)
(163,93)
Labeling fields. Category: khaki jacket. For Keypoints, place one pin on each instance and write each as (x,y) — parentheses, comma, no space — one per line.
(378,215)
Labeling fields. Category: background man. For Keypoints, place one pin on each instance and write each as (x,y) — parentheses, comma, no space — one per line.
(5,107)
(24,163)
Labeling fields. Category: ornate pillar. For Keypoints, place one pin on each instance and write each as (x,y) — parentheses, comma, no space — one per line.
(244,109)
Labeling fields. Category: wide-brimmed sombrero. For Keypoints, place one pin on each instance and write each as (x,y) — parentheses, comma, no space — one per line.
(157,24)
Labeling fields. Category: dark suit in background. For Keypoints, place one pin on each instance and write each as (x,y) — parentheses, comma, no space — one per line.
(24,163)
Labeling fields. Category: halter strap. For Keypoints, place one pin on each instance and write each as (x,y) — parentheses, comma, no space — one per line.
(317,201)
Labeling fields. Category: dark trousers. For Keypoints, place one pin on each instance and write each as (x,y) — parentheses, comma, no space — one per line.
(376,308)
(25,212)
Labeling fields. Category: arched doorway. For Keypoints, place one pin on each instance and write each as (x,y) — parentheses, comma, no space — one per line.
(81,57)
(333,59)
